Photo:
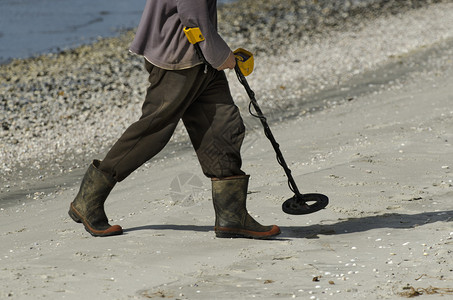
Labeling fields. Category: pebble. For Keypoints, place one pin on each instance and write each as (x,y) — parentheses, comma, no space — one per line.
(59,111)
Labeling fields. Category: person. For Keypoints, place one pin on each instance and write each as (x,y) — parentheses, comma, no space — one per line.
(180,87)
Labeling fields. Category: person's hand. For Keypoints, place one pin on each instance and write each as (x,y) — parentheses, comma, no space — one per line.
(230,63)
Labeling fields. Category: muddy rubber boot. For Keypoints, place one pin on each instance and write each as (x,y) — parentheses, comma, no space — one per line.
(88,206)
(231,217)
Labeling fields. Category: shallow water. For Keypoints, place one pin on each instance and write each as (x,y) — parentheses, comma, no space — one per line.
(31,27)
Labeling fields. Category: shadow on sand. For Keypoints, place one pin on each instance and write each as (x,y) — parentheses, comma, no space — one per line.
(343,226)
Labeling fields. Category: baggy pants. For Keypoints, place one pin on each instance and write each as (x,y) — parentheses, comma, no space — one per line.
(204,102)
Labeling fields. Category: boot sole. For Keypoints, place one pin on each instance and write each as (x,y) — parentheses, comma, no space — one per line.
(74,216)
(112,230)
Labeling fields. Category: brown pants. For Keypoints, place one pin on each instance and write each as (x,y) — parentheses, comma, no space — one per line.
(203,102)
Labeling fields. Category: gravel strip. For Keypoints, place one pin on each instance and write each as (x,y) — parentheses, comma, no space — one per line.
(59,111)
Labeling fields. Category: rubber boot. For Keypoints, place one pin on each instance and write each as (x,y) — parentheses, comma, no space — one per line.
(231,217)
(88,206)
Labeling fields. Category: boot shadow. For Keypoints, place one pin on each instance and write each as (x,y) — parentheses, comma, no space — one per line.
(185,228)
(171,227)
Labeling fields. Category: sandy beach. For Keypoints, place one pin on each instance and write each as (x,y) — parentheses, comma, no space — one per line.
(378,142)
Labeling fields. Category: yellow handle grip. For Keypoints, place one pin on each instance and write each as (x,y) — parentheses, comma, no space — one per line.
(244,59)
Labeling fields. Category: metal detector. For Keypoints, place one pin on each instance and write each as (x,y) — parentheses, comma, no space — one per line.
(299,204)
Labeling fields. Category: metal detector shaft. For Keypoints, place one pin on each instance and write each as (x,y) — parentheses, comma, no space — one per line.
(297,205)
(267,131)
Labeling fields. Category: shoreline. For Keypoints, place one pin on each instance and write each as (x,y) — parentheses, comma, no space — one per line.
(62,26)
(293,87)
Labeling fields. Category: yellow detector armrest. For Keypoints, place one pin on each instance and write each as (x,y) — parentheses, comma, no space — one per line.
(194,35)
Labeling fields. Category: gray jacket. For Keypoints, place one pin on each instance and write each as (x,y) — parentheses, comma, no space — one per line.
(161,40)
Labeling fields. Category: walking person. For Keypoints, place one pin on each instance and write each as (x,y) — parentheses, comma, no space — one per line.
(180,87)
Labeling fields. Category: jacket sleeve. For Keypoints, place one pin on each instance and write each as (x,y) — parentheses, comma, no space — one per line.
(196,13)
